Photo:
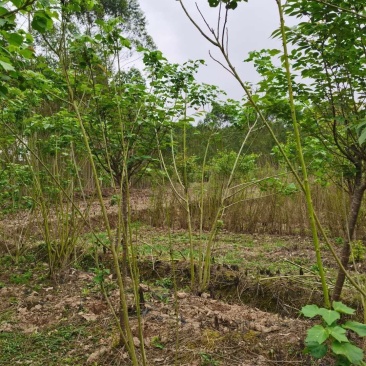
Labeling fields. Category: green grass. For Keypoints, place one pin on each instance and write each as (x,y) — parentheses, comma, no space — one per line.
(22,278)
(6,261)
(54,347)
(6,316)
(230,248)
(230,258)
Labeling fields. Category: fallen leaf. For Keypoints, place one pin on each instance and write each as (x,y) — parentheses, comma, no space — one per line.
(136,342)
(90,317)
(95,355)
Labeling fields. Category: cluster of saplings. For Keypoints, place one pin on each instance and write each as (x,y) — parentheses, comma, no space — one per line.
(77,124)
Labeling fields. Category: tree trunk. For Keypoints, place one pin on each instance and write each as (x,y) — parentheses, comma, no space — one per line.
(124,245)
(356,202)
(124,239)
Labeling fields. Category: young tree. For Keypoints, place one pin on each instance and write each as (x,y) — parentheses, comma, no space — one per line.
(329,50)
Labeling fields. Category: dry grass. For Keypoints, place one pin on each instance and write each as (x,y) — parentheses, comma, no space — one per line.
(256,211)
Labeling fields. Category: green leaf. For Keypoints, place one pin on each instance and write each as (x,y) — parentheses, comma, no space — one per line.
(39,24)
(316,334)
(3,91)
(357,327)
(273,52)
(310,311)
(214,3)
(90,4)
(26,53)
(6,66)
(341,308)
(338,333)
(316,350)
(329,316)
(342,361)
(353,353)
(362,137)
(41,21)
(15,39)
(17,3)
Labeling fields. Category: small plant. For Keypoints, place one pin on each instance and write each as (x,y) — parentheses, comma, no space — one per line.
(358,251)
(85,291)
(315,268)
(114,199)
(21,279)
(100,275)
(208,360)
(165,282)
(339,241)
(332,336)
(156,342)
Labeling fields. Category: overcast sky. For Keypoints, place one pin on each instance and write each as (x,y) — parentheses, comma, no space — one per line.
(250,27)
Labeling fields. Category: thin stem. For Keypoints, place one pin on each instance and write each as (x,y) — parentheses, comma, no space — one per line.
(306,184)
(256,107)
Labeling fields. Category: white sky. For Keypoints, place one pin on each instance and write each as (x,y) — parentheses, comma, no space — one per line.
(250,27)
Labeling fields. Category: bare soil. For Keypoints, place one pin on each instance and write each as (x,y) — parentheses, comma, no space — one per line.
(248,316)
(181,329)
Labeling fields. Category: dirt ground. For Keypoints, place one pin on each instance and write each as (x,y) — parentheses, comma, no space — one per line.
(248,316)
(179,328)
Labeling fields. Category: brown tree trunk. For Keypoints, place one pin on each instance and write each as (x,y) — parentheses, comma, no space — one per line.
(124,239)
(356,202)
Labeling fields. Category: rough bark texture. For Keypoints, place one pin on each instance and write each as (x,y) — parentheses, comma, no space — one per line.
(356,201)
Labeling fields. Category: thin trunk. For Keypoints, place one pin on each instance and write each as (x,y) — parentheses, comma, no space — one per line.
(124,241)
(356,202)
(121,239)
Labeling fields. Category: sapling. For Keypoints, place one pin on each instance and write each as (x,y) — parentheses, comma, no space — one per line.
(331,337)
(219,39)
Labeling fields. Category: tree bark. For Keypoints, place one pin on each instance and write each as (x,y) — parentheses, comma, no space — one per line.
(356,202)
(124,239)
(124,245)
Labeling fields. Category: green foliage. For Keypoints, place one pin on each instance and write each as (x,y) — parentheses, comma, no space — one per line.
(276,185)
(358,251)
(100,275)
(21,279)
(165,282)
(208,360)
(13,180)
(42,21)
(230,4)
(188,166)
(100,239)
(16,43)
(157,343)
(49,346)
(333,337)
(329,53)
(223,163)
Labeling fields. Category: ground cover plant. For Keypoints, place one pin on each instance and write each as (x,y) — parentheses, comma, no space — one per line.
(146,219)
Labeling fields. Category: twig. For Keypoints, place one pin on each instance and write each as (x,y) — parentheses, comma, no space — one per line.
(197,26)
(220,63)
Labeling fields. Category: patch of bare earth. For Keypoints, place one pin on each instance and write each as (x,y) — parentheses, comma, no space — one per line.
(73,325)
(179,329)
